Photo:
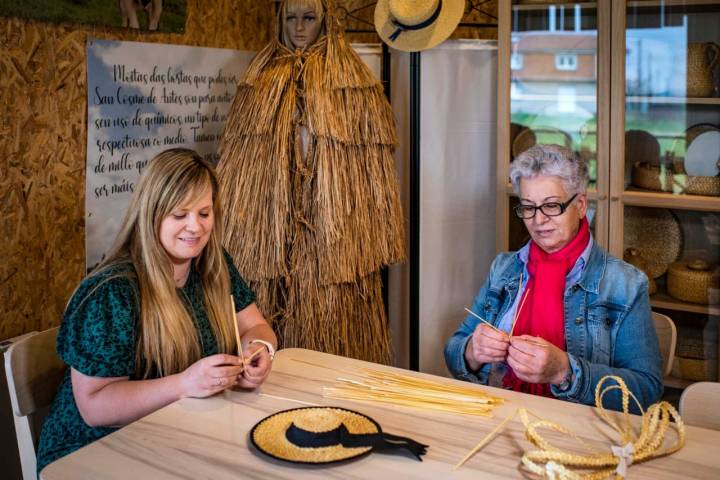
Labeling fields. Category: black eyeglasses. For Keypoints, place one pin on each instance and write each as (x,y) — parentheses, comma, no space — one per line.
(550,209)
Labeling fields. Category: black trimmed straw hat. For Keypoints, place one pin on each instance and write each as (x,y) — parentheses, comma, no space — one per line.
(414,25)
(321,435)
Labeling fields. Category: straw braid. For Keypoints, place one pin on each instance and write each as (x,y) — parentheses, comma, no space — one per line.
(554,463)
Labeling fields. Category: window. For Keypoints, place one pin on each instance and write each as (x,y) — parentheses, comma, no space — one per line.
(566,61)
(516,61)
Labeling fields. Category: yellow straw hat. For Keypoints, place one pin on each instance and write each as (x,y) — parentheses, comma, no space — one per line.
(318,435)
(414,25)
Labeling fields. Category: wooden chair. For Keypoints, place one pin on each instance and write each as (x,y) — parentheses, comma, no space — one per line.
(667,337)
(699,405)
(34,371)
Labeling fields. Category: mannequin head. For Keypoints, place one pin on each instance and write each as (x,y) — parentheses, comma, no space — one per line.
(302,23)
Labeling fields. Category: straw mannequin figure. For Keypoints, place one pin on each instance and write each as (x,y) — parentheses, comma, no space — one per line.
(313,209)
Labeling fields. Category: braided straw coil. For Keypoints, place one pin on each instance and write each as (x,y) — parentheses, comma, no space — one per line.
(550,461)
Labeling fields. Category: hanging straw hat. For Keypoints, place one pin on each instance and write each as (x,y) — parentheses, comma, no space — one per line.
(318,435)
(414,25)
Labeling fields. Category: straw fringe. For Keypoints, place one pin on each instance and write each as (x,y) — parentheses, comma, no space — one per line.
(311,230)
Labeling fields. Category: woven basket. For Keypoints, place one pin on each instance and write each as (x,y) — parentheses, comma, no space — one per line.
(652,177)
(642,146)
(635,258)
(662,179)
(526,141)
(692,281)
(656,234)
(698,370)
(540,135)
(701,59)
(696,130)
(699,185)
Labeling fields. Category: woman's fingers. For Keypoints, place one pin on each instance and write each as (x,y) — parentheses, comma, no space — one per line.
(493,333)
(489,345)
(226,371)
(223,359)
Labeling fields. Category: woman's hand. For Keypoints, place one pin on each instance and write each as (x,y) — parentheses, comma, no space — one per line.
(210,375)
(487,345)
(535,360)
(257,369)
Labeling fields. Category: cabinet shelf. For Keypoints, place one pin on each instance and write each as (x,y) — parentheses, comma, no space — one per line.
(676,382)
(634,84)
(544,6)
(592,193)
(635,4)
(674,100)
(669,3)
(663,300)
(644,198)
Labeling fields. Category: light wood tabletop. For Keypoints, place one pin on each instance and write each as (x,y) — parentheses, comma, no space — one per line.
(208,438)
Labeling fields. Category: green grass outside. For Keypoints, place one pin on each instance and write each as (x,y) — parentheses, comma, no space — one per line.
(93,12)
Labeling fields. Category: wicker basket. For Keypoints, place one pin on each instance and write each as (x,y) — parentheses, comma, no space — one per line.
(539,135)
(652,177)
(701,59)
(696,130)
(527,139)
(697,369)
(635,258)
(662,179)
(692,281)
(656,234)
(642,146)
(698,185)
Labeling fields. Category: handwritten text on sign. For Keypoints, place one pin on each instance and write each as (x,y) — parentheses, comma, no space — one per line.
(142,99)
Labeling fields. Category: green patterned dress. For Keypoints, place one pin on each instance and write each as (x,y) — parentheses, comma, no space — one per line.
(98,337)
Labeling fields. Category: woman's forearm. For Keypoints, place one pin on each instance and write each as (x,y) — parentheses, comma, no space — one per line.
(260,332)
(120,402)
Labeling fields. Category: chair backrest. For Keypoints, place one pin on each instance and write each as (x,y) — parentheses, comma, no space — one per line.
(34,371)
(699,405)
(667,337)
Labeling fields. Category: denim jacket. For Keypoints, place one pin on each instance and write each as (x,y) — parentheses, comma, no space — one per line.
(608,328)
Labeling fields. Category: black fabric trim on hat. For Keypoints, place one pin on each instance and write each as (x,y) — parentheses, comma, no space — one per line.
(341,436)
(401,27)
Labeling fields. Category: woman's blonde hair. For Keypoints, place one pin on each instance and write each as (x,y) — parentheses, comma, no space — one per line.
(168,341)
(315,5)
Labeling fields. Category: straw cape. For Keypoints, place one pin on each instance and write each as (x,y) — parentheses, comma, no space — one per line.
(318,435)
(311,195)
(414,25)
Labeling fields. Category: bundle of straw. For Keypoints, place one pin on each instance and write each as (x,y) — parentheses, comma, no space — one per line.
(311,195)
(408,391)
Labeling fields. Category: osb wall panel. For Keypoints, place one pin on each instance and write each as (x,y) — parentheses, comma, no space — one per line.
(42,147)
(43,136)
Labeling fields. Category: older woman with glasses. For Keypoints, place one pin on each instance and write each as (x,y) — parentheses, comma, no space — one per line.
(561,312)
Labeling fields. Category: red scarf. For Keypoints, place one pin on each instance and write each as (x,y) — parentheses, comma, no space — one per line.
(543,313)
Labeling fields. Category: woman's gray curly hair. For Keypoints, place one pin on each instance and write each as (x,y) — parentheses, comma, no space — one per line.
(550,160)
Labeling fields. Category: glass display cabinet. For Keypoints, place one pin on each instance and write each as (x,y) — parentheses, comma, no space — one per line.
(634,88)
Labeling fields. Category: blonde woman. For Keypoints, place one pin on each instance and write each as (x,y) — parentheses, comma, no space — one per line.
(153,322)
(313,211)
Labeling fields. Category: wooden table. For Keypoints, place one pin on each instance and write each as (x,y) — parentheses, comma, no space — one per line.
(208,438)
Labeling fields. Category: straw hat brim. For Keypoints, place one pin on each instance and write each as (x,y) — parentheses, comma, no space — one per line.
(268,435)
(416,40)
